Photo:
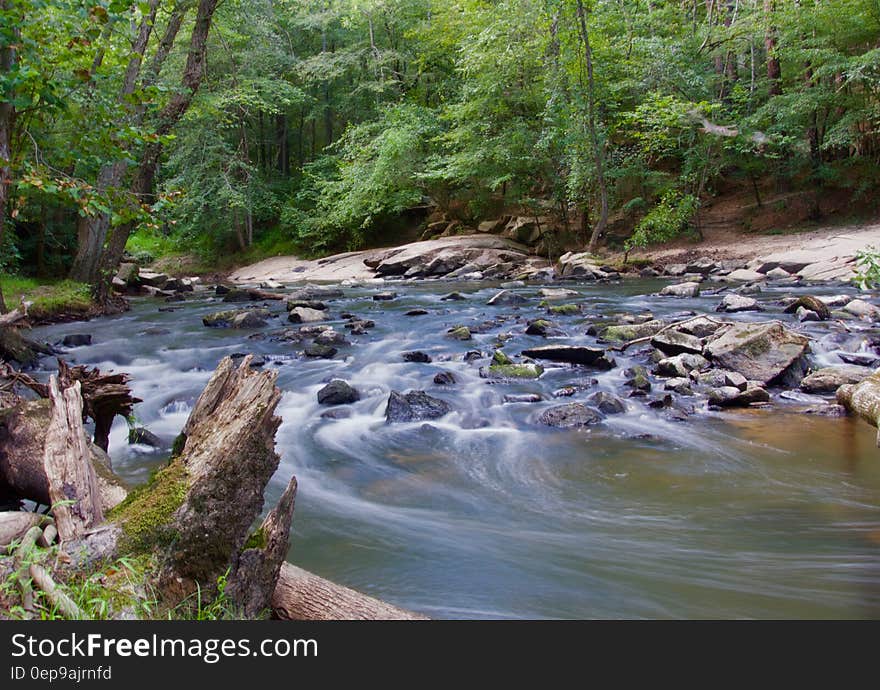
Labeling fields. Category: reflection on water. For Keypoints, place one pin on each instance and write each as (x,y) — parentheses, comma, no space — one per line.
(748,514)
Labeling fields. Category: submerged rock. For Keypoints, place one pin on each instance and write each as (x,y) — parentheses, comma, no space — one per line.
(77,340)
(417,356)
(414,406)
(522,398)
(769,353)
(570,416)
(607,403)
(338,392)
(444,378)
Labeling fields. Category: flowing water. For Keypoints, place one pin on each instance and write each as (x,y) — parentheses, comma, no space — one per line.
(758,513)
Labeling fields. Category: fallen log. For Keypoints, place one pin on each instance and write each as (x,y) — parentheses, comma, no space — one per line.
(14,347)
(73,485)
(14,524)
(303,596)
(863,399)
(23,430)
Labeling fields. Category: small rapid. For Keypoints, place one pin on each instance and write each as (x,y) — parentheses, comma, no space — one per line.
(484,512)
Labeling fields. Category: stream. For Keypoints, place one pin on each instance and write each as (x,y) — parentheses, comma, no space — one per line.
(766,513)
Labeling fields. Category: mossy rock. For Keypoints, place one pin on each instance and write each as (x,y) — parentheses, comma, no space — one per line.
(460,333)
(516,371)
(564,309)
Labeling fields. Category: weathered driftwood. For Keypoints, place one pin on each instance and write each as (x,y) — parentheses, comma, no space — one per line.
(254,581)
(73,485)
(228,455)
(14,524)
(301,595)
(15,316)
(863,399)
(23,431)
(63,603)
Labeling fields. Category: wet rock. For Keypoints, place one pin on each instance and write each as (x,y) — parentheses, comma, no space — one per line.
(701,327)
(827,410)
(729,396)
(444,378)
(541,327)
(749,289)
(673,342)
(607,403)
(306,304)
(384,296)
(414,406)
(572,354)
(338,413)
(637,379)
(689,289)
(570,416)
(506,298)
(257,361)
(679,385)
(318,351)
(829,379)
(237,318)
(680,366)
(144,437)
(417,356)
(804,315)
(359,326)
(522,398)
(330,337)
(305,315)
(271,285)
(77,340)
(504,367)
(238,295)
(453,297)
(835,301)
(221,290)
(649,272)
(127,274)
(462,333)
(338,392)
(862,309)
(734,303)
(704,266)
(416,312)
(862,359)
(810,303)
(769,353)
(626,332)
(676,270)
(564,309)
(557,293)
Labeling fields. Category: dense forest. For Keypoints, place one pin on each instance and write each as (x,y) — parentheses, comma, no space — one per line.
(314,126)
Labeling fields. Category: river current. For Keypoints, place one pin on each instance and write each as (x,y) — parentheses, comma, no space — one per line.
(484,513)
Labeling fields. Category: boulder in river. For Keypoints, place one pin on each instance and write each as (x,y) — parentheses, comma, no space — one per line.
(307,304)
(682,365)
(728,396)
(863,310)
(306,315)
(460,333)
(384,296)
(733,303)
(607,403)
(810,303)
(237,318)
(522,398)
(141,436)
(829,379)
(557,293)
(570,416)
(338,392)
(689,289)
(329,336)
(318,351)
(414,406)
(627,332)
(572,354)
(504,367)
(672,342)
(765,352)
(417,356)
(637,379)
(444,378)
(77,340)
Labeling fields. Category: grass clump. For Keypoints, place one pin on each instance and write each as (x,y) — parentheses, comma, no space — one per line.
(49,298)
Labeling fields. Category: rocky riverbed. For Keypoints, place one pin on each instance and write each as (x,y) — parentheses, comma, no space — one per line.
(575,447)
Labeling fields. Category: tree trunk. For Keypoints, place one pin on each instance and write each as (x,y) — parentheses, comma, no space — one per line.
(93,229)
(302,596)
(7,119)
(774,69)
(598,148)
(73,485)
(142,186)
(863,399)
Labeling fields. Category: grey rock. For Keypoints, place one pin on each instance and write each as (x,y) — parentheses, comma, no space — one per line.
(572,354)
(570,416)
(414,406)
(338,392)
(689,289)
(607,403)
(673,342)
(769,353)
(829,379)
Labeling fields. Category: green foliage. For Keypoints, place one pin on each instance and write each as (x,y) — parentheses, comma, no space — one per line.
(47,298)
(868,274)
(669,219)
